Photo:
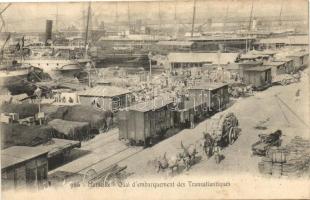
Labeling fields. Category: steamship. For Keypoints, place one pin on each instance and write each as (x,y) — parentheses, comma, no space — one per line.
(56,62)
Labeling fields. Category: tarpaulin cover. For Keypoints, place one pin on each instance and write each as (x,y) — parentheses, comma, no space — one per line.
(71,130)
(20,135)
(24,109)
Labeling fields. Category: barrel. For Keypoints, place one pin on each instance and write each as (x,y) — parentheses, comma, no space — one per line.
(289,169)
(277,169)
(267,165)
(279,156)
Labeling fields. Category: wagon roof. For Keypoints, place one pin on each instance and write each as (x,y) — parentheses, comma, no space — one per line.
(258,69)
(275,63)
(208,86)
(104,91)
(150,105)
(17,154)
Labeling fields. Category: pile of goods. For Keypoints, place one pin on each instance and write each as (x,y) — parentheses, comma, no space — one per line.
(71,130)
(80,113)
(291,160)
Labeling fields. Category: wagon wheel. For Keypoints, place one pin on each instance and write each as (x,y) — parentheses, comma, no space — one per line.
(111,180)
(89,174)
(283,82)
(231,135)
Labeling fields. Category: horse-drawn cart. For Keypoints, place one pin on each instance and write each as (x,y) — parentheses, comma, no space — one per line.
(221,131)
(285,79)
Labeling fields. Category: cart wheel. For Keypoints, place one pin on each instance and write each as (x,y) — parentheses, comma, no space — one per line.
(283,82)
(89,174)
(231,135)
(111,180)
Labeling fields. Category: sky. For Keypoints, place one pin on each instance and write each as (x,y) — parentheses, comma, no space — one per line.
(32,16)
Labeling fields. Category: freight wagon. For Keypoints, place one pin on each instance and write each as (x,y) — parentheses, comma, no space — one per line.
(214,96)
(140,124)
(204,100)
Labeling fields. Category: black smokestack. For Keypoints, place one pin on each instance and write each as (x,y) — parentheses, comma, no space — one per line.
(48,31)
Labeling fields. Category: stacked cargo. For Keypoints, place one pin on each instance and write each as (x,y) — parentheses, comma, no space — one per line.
(291,160)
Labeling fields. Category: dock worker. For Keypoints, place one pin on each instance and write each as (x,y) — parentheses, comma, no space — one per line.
(217,152)
(297,95)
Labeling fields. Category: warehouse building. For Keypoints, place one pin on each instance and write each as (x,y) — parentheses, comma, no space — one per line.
(180,61)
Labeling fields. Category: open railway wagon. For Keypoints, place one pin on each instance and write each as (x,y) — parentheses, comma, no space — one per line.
(223,129)
(143,123)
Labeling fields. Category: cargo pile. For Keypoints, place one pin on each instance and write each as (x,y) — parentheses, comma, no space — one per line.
(291,160)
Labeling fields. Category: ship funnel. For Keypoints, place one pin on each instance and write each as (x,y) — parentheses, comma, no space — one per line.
(48,32)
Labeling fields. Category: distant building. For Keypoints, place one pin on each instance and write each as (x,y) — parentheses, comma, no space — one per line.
(179,61)
(173,45)
(296,40)
(212,43)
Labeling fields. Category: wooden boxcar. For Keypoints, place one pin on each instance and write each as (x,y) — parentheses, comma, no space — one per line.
(259,77)
(143,122)
(190,113)
(300,60)
(212,96)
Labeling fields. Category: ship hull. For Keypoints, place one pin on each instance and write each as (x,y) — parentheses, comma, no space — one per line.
(122,60)
(59,68)
(14,77)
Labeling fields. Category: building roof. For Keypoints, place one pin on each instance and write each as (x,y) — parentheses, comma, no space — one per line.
(221,38)
(273,41)
(175,43)
(103,91)
(150,105)
(283,60)
(223,58)
(298,54)
(258,69)
(275,63)
(17,154)
(291,40)
(208,86)
(251,63)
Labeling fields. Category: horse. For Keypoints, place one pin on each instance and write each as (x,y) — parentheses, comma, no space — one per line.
(165,163)
(189,155)
(208,144)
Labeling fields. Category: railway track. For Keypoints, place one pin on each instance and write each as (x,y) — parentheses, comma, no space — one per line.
(116,158)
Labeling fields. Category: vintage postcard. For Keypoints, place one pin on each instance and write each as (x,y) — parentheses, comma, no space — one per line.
(170,99)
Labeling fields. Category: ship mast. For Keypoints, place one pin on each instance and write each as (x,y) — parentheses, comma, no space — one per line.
(280,17)
(128,12)
(193,20)
(159,18)
(87,24)
(251,16)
